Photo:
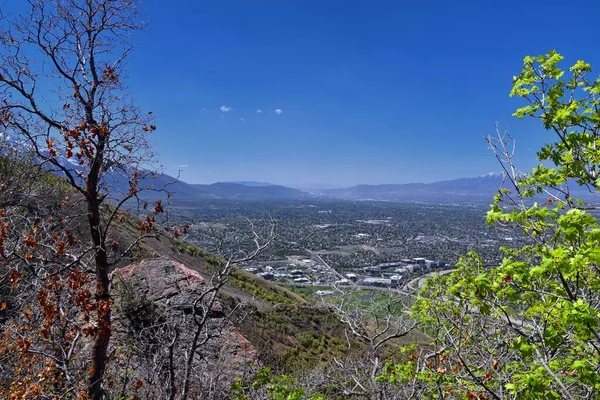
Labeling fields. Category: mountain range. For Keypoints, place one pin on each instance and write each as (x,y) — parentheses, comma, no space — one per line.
(482,186)
(476,188)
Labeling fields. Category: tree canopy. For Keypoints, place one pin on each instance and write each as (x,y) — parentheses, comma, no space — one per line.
(529,328)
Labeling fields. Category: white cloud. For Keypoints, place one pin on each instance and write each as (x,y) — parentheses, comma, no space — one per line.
(183,166)
(226,109)
(278,111)
(242,119)
(259,111)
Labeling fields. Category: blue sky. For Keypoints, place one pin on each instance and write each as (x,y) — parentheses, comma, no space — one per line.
(369,91)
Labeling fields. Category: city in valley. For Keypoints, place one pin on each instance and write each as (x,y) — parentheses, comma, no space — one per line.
(333,242)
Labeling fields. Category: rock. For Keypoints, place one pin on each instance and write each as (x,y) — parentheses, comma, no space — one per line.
(157,305)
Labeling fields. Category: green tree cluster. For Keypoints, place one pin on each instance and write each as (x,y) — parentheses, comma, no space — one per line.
(529,328)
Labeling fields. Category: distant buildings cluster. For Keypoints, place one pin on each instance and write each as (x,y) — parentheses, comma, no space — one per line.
(299,270)
(407,265)
(400,269)
(282,271)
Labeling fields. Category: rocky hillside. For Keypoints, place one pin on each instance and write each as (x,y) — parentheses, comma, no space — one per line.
(284,329)
(163,314)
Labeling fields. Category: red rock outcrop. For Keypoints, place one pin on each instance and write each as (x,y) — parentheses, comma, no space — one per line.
(156,312)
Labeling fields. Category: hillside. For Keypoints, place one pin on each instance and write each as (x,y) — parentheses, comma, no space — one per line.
(277,327)
(286,329)
(275,320)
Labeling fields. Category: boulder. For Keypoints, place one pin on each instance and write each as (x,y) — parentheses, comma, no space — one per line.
(162,309)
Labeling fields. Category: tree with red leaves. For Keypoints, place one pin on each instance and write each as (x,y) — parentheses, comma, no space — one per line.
(62,95)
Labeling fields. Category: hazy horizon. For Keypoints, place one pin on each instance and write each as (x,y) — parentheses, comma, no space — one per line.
(323,186)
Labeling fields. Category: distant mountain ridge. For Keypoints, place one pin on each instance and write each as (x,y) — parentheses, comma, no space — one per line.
(480,188)
(251,183)
(476,187)
(238,191)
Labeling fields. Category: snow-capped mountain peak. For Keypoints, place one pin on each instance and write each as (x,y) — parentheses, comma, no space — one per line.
(492,175)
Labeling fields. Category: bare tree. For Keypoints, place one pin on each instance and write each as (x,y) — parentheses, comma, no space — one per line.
(62,92)
(377,317)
